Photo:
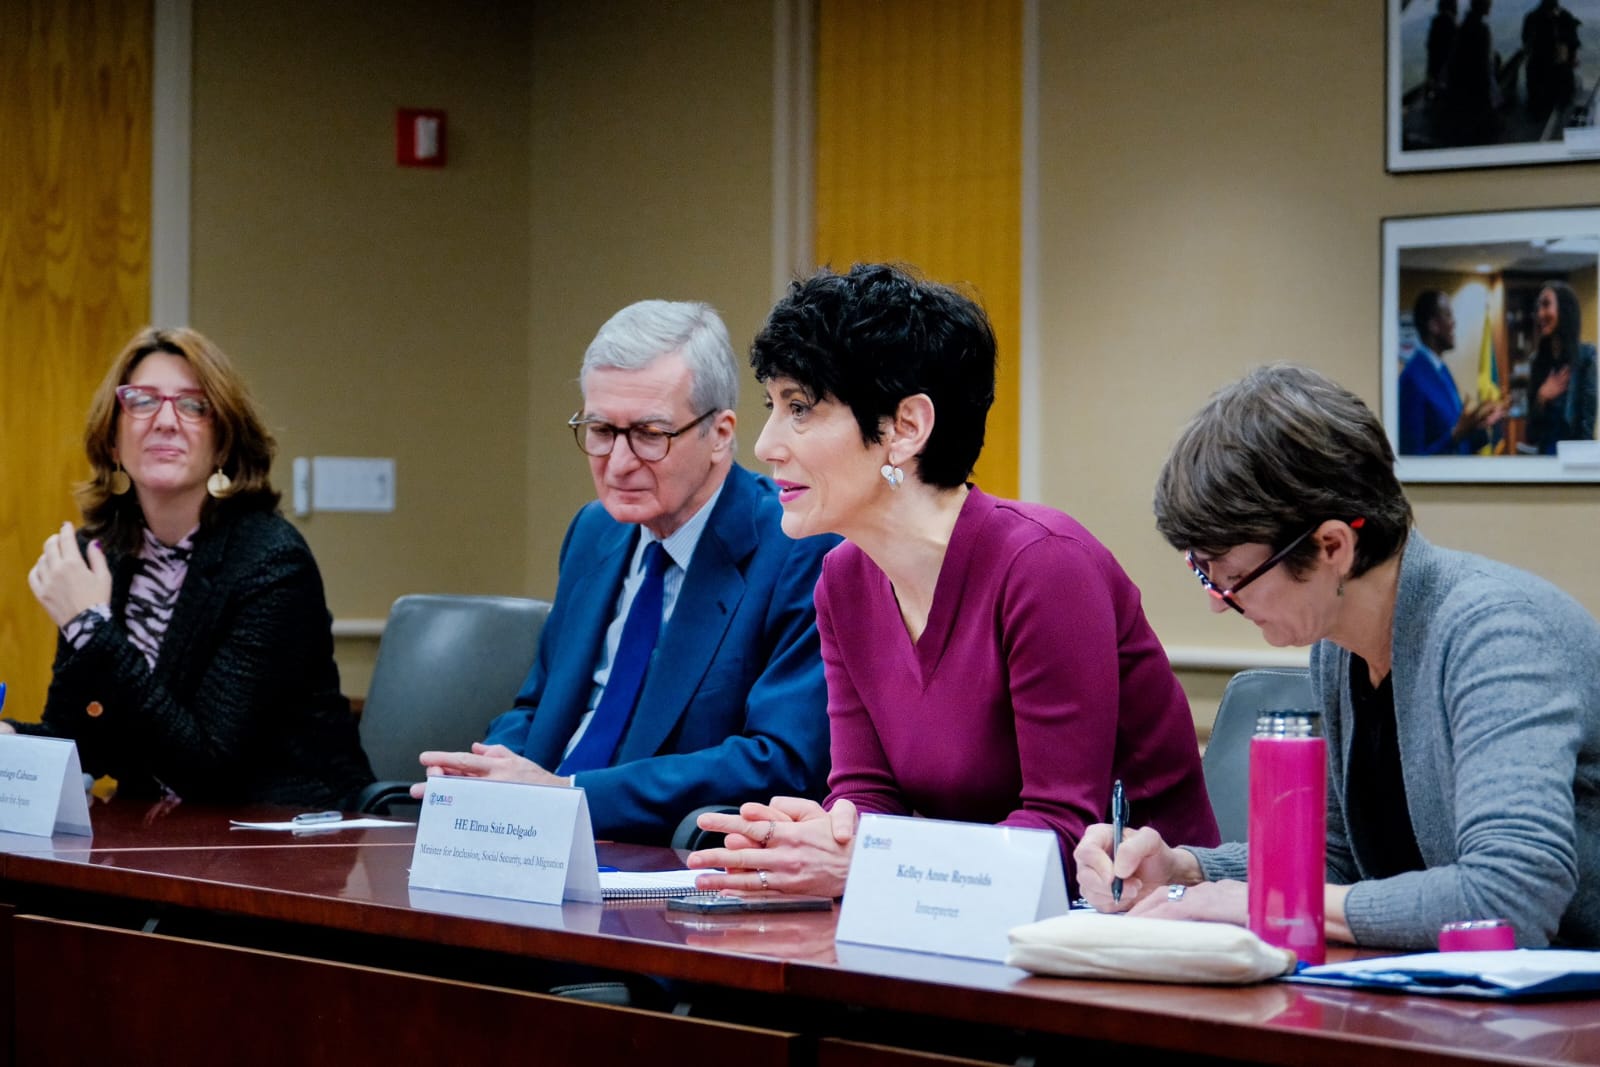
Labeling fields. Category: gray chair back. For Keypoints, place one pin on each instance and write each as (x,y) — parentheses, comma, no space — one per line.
(446,666)
(1227,756)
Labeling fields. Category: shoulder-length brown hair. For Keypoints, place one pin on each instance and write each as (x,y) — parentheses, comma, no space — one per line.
(242,439)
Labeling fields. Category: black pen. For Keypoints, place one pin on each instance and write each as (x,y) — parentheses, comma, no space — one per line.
(1119,819)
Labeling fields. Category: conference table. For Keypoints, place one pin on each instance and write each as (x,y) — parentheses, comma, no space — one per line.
(170,937)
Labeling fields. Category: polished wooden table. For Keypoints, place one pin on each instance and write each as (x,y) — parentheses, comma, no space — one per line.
(180,939)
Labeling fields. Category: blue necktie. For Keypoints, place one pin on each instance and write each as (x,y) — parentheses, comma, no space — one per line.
(599,742)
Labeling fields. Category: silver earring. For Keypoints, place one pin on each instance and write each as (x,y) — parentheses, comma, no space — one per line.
(219,484)
(1340,591)
(892,474)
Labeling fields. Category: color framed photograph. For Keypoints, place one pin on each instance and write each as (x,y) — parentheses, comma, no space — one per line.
(1491,83)
(1488,345)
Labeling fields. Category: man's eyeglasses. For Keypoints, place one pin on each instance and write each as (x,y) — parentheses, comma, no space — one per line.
(648,443)
(142,402)
(1227,595)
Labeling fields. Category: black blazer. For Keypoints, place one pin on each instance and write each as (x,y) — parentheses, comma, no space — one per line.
(243,703)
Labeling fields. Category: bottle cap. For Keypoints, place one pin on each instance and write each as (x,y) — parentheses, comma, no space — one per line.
(1477,935)
(1288,722)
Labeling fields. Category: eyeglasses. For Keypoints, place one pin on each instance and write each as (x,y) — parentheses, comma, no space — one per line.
(142,402)
(648,443)
(1227,595)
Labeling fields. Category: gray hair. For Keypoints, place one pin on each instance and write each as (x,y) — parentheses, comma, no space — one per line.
(642,333)
(1282,449)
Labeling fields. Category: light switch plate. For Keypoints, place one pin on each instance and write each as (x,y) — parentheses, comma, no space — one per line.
(302,486)
(352,483)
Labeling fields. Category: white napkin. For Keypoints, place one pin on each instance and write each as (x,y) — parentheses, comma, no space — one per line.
(1086,944)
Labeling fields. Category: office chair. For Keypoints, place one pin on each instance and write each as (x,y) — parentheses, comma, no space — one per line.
(1227,757)
(446,666)
(688,834)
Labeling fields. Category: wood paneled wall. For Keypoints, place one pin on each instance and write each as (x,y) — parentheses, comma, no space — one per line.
(75,117)
(919,159)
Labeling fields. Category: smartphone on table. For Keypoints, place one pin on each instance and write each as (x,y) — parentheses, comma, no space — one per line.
(728,904)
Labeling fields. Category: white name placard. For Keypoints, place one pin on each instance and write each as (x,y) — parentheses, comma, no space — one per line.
(954,888)
(41,787)
(505,839)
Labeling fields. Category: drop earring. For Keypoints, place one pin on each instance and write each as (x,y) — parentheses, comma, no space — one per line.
(119,482)
(892,474)
(219,484)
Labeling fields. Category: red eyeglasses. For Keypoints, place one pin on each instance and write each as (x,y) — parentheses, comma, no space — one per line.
(1227,595)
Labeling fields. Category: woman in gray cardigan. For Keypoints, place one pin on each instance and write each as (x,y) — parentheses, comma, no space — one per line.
(1460,697)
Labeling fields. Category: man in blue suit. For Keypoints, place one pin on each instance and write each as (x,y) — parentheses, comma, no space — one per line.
(731,703)
(1433,419)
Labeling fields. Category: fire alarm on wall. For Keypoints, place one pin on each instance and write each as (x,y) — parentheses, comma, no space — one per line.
(419,137)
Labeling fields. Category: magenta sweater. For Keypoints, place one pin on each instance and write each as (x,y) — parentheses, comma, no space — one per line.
(1036,683)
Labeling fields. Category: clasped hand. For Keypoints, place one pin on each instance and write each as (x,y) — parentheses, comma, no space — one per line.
(790,845)
(64,582)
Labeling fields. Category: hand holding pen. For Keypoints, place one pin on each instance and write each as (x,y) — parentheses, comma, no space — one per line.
(1119,820)
(1153,867)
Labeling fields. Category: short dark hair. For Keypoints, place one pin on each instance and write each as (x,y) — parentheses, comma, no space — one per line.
(873,337)
(1424,310)
(1279,450)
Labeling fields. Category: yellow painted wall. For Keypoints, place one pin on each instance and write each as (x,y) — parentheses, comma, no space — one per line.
(919,159)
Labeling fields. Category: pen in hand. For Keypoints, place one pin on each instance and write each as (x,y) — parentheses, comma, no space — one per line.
(1119,819)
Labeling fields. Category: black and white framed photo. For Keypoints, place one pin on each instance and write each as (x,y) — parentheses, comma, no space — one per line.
(1488,345)
(1475,83)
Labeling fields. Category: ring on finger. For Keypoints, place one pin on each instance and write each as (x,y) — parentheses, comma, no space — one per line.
(761,876)
(1175,892)
(766,837)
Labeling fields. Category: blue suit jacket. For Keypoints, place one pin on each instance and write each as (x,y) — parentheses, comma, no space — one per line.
(1429,408)
(734,706)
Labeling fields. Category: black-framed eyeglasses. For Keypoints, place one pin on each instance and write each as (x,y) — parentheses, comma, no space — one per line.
(648,443)
(1227,595)
(142,402)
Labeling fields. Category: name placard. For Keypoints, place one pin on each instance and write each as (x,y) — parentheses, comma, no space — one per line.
(41,787)
(505,839)
(954,888)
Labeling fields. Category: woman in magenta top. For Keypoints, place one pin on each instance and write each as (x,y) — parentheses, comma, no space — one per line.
(987,661)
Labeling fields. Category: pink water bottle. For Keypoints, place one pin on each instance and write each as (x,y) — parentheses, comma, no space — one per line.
(1288,831)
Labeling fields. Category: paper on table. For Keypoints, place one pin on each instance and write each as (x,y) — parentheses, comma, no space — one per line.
(318,827)
(1510,973)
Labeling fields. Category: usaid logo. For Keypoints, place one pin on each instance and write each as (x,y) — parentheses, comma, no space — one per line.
(441,798)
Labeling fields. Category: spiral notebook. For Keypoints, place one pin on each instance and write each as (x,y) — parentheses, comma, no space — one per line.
(648,885)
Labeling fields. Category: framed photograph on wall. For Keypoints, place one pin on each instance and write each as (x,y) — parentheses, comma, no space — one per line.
(1488,345)
(1475,83)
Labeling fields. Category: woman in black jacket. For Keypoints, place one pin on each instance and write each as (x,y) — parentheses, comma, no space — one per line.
(195,659)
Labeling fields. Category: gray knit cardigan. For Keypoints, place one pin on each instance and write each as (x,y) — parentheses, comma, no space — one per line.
(1497,704)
